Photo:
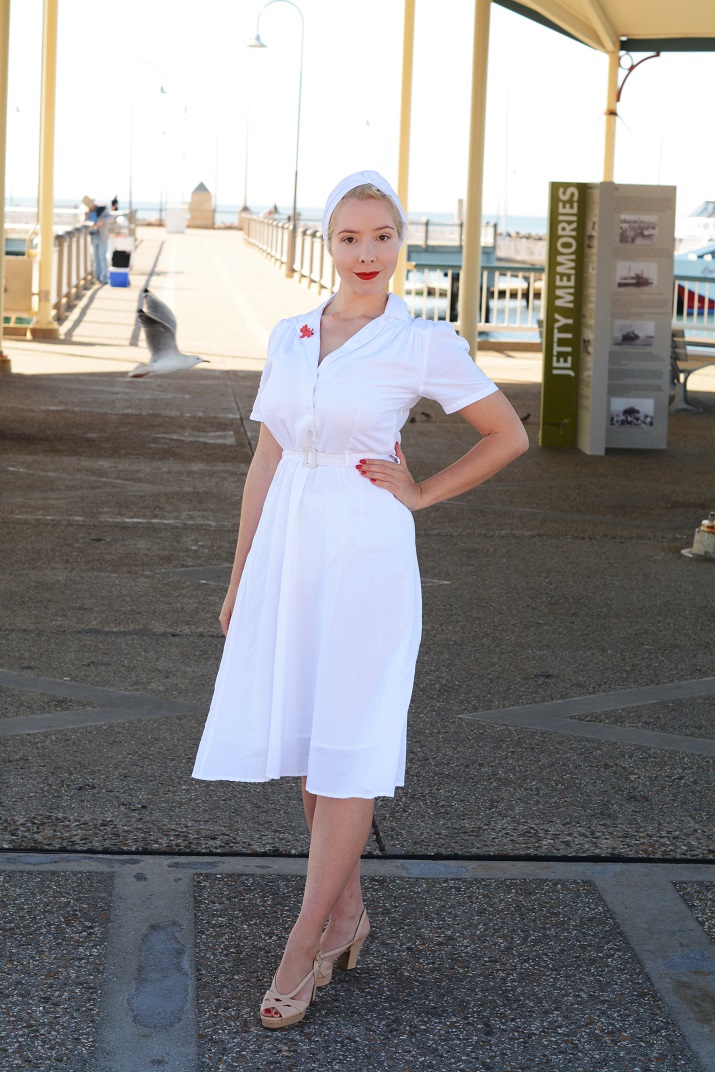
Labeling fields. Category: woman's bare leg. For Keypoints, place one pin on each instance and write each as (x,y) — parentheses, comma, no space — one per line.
(346,912)
(340,829)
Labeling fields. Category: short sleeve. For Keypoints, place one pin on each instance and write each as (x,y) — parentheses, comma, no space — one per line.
(272,342)
(451,377)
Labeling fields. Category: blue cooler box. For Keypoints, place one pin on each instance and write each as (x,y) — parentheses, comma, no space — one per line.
(119,277)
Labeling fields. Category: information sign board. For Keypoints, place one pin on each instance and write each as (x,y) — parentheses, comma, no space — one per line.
(561,331)
(607,318)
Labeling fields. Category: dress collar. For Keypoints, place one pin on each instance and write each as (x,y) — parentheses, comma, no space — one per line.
(395,307)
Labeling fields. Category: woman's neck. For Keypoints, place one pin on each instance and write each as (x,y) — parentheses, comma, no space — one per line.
(350,306)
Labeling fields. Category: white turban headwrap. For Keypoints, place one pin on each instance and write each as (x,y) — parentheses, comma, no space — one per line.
(359,178)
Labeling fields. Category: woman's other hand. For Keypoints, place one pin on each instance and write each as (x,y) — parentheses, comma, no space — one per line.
(394,478)
(227,609)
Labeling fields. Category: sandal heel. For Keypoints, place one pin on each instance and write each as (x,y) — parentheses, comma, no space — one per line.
(348,960)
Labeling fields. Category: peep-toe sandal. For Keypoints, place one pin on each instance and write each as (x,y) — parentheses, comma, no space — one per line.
(346,957)
(291,1009)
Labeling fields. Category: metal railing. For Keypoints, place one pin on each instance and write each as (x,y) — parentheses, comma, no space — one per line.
(73,268)
(72,273)
(694,307)
(511,295)
(510,298)
(311,263)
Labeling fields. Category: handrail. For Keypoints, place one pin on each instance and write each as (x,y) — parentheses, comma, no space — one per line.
(510,294)
(74,273)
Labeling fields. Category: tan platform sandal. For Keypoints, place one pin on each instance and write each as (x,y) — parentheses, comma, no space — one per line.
(291,1009)
(346,960)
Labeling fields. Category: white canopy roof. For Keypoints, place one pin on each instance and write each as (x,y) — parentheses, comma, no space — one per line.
(634,25)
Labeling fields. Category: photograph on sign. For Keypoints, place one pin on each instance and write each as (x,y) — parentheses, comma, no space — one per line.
(632,412)
(637,229)
(642,274)
(633,333)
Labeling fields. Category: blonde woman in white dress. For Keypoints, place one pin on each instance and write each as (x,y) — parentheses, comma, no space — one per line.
(323,611)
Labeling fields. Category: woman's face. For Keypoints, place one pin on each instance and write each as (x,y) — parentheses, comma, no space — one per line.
(364,244)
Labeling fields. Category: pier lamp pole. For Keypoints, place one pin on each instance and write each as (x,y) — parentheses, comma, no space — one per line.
(150,63)
(4,54)
(248,131)
(257,43)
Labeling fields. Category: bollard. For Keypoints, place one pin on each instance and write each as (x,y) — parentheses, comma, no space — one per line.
(704,541)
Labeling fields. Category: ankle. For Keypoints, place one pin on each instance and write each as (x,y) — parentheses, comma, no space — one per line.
(301,945)
(348,911)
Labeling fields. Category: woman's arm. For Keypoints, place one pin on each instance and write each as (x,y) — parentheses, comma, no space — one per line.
(503,440)
(258,480)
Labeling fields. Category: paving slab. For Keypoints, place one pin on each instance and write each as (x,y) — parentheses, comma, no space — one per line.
(563,711)
(476,966)
(458,974)
(54,928)
(110,537)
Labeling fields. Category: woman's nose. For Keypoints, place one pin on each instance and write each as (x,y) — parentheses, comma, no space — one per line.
(367,253)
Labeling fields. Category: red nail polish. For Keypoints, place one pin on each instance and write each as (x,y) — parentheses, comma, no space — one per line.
(359,467)
(373,480)
(362,461)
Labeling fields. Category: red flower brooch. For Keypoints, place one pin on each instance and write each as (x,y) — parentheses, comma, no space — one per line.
(305,332)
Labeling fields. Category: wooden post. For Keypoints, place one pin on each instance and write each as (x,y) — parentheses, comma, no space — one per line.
(472,251)
(403,166)
(609,154)
(4,53)
(45,325)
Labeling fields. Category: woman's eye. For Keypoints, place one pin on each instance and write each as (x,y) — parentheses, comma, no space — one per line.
(385,237)
(348,238)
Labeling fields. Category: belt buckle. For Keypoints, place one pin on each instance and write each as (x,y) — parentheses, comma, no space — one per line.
(310,457)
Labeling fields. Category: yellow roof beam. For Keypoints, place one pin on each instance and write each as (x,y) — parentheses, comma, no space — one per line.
(611,40)
(568,20)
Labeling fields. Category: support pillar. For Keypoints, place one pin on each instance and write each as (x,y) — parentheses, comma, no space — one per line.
(4,56)
(45,326)
(403,166)
(609,154)
(472,234)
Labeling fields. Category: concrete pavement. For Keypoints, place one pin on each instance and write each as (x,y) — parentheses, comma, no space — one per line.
(543,889)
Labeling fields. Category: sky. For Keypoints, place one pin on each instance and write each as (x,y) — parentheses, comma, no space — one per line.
(546,97)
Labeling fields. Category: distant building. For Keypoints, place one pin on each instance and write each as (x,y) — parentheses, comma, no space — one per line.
(201,207)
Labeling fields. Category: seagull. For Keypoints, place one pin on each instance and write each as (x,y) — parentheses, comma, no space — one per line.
(160,331)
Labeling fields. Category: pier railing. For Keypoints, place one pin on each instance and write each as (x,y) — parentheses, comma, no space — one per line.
(511,295)
(72,274)
(72,264)
(694,307)
(74,268)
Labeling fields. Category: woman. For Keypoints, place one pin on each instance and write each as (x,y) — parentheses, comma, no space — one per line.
(323,611)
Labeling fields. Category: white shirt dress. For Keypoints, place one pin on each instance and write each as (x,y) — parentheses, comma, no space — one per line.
(318,665)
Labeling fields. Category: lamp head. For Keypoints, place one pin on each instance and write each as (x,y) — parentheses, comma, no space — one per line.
(257,43)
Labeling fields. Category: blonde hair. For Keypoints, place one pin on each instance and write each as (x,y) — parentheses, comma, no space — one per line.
(368,192)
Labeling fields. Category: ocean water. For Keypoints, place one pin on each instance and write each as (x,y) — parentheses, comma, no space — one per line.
(228,214)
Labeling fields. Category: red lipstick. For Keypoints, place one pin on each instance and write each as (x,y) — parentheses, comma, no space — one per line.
(366,275)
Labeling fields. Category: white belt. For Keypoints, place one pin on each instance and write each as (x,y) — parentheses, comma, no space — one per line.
(313,458)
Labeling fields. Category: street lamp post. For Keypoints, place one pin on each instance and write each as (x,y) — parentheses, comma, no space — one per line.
(131,123)
(248,128)
(258,43)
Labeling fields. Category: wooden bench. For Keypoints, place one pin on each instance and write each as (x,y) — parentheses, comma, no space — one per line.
(687,357)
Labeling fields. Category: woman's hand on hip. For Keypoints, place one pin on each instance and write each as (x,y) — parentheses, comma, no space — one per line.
(394,478)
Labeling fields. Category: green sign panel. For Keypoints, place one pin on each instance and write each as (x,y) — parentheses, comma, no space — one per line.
(561,332)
